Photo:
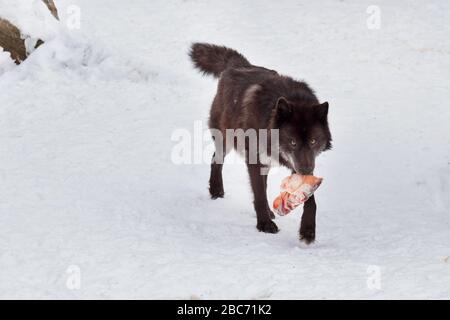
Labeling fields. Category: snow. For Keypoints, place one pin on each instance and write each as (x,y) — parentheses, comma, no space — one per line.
(87,182)
(6,63)
(33,19)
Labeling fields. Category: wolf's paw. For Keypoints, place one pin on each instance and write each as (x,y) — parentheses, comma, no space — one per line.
(216,192)
(271,214)
(307,236)
(267,226)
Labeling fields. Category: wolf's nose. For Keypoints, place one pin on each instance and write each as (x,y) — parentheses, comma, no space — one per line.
(306,170)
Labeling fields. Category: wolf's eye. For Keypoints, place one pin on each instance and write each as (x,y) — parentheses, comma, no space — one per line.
(293,143)
(312,141)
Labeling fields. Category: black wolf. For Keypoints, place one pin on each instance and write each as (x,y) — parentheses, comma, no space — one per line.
(252,97)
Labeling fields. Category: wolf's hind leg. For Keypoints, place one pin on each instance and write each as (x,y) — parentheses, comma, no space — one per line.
(215,179)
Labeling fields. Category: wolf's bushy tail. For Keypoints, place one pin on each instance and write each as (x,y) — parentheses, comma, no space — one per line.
(212,59)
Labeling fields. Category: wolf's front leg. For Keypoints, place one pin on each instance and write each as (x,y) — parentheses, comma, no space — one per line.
(271,214)
(258,182)
(308,224)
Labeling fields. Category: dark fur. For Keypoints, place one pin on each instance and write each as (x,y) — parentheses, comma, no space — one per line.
(255,97)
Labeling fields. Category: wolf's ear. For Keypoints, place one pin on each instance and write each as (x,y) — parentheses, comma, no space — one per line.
(284,109)
(321,110)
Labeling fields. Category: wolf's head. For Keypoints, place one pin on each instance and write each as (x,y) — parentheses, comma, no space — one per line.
(303,133)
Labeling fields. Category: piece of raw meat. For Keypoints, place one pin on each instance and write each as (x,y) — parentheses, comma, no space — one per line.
(295,190)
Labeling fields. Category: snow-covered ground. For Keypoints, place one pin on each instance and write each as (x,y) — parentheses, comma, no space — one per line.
(91,205)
